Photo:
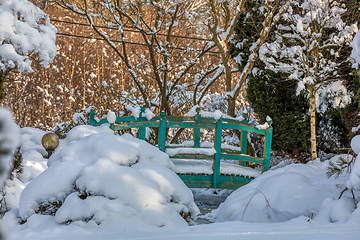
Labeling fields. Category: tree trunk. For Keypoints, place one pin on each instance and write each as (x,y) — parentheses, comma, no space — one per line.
(231,106)
(230,99)
(313,123)
(2,86)
(3,75)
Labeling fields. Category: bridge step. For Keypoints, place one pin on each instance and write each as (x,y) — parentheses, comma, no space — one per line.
(204,167)
(198,173)
(206,181)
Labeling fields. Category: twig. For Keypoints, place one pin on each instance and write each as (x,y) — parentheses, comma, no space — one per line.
(267,203)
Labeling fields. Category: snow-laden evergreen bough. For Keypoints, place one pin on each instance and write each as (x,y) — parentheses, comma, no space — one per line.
(95,177)
(24,29)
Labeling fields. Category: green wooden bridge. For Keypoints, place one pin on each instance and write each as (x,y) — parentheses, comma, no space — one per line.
(206,158)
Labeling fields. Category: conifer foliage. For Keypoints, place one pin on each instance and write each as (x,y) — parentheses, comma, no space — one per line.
(309,46)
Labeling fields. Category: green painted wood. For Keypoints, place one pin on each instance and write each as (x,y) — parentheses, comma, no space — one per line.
(245,158)
(180,118)
(125,119)
(190,125)
(267,147)
(208,120)
(197,181)
(123,126)
(206,181)
(92,120)
(142,129)
(240,126)
(192,156)
(217,145)
(196,134)
(162,132)
(243,139)
(102,121)
(232,181)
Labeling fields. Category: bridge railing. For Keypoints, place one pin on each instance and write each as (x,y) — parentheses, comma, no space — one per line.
(196,123)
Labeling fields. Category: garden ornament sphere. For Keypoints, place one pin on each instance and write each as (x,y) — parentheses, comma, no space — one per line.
(50,142)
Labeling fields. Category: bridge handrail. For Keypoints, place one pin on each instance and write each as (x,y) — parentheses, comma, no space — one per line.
(196,123)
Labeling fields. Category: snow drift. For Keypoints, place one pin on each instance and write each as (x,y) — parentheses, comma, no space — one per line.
(96,177)
(292,191)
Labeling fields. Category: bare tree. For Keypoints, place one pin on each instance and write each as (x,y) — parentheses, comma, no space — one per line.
(158,62)
(223,17)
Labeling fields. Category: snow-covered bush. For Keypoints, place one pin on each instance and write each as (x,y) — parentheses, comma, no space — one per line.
(354,181)
(79,118)
(97,177)
(356,49)
(8,142)
(25,29)
(30,163)
(278,195)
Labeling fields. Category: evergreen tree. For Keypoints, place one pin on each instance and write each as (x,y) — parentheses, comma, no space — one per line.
(269,96)
(309,47)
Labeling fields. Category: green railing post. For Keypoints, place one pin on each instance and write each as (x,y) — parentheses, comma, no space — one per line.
(217,144)
(243,140)
(162,132)
(196,134)
(142,130)
(92,120)
(267,147)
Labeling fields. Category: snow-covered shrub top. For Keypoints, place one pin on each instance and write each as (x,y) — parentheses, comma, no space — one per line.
(24,29)
(284,193)
(102,178)
(356,49)
(8,142)
(354,181)
(32,153)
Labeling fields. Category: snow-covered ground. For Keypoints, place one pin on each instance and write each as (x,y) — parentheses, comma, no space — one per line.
(100,186)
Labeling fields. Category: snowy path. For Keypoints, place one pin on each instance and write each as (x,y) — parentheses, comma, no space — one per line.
(297,228)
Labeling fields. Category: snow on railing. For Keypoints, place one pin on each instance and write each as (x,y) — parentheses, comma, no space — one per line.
(142,119)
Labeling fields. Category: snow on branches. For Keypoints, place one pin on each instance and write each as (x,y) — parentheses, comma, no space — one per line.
(309,46)
(356,49)
(154,27)
(24,29)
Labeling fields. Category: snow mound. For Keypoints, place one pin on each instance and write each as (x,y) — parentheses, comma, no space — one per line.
(8,142)
(82,131)
(33,163)
(356,48)
(106,179)
(274,196)
(354,179)
(336,210)
(355,144)
(25,29)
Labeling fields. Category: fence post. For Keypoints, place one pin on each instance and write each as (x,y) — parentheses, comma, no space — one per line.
(92,120)
(142,130)
(243,140)
(217,157)
(267,147)
(196,134)
(162,132)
